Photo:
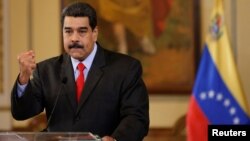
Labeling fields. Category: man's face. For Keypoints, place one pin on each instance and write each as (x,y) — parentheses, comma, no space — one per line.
(78,37)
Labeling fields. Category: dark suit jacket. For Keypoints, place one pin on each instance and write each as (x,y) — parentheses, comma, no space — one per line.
(114,101)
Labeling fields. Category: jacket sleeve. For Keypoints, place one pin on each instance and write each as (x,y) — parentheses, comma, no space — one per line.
(30,103)
(134,109)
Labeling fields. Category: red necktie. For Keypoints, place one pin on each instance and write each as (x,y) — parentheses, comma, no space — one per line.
(79,81)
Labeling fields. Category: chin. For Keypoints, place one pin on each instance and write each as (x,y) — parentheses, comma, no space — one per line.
(78,57)
(77,54)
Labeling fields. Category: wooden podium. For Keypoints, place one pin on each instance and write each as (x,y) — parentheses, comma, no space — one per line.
(48,136)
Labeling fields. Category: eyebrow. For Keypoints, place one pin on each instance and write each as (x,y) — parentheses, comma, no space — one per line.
(77,28)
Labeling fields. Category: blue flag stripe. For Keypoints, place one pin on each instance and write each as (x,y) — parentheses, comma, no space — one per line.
(214,97)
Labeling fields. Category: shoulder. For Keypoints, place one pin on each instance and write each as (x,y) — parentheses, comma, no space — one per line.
(122,62)
(116,57)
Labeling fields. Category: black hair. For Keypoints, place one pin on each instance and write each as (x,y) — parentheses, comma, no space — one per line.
(80,9)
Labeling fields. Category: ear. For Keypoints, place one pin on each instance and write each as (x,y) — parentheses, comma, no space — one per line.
(95,33)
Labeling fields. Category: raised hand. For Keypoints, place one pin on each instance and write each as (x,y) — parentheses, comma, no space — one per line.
(27,64)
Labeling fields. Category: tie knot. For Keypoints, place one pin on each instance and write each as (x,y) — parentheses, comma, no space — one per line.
(80,67)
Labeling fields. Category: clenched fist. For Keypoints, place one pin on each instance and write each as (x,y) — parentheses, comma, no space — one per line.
(27,64)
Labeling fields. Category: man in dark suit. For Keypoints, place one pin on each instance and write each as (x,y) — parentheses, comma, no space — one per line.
(113,102)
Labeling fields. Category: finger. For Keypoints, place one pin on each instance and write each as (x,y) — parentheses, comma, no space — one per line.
(27,63)
(31,53)
(26,57)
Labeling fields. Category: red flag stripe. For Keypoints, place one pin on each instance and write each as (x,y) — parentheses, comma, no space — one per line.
(196,123)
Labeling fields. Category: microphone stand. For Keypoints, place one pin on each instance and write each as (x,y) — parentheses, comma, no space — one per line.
(64,81)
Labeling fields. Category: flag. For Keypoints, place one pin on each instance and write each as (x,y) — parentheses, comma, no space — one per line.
(217,97)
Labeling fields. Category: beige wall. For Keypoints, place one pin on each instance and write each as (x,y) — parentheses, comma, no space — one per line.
(44,39)
(164,110)
(243,43)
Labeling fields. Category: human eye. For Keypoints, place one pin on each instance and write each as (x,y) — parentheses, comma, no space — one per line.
(68,31)
(82,31)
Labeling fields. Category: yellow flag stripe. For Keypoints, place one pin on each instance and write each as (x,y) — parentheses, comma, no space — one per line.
(221,53)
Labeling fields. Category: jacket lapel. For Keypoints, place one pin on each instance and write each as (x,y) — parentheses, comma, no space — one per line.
(68,73)
(94,76)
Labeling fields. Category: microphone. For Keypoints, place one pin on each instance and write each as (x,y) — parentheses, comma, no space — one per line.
(64,81)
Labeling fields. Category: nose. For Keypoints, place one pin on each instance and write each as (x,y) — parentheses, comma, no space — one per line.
(75,37)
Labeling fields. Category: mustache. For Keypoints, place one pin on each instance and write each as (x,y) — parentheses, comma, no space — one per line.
(75,45)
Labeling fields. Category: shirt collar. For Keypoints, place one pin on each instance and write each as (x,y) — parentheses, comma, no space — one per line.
(87,61)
